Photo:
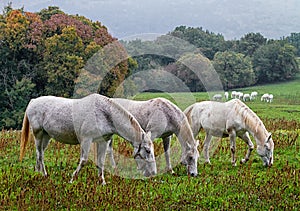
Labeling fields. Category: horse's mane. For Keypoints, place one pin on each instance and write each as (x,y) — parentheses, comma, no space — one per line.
(250,119)
(124,112)
(183,124)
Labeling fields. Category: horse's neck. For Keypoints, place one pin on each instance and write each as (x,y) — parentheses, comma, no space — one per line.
(125,124)
(253,124)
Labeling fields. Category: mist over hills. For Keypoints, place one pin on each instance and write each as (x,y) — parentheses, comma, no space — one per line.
(231,18)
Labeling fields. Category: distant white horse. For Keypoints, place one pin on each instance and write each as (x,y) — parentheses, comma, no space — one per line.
(246,97)
(226,95)
(217,97)
(162,118)
(232,119)
(83,121)
(233,94)
(240,95)
(253,95)
(267,98)
(270,98)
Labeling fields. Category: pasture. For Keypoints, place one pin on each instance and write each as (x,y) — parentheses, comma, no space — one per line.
(217,186)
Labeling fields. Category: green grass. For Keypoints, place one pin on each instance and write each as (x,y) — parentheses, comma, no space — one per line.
(286,103)
(218,186)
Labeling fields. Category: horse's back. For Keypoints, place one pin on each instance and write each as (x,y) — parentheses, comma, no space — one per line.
(157,114)
(212,116)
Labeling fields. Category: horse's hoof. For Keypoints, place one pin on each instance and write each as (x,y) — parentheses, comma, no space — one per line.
(243,161)
(207,162)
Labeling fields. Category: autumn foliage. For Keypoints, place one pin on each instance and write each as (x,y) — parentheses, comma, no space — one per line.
(44,53)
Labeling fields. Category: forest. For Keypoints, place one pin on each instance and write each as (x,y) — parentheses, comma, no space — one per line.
(43,53)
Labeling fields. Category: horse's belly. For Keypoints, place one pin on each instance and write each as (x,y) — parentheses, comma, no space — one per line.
(65,138)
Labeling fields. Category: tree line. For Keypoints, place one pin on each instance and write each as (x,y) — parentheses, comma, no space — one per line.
(251,60)
(43,53)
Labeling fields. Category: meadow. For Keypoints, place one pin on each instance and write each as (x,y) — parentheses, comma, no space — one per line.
(218,186)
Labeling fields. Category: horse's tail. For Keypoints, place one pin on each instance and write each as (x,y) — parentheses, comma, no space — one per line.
(24,135)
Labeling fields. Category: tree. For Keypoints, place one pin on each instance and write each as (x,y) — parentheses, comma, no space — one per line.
(62,62)
(275,61)
(234,69)
(208,42)
(294,39)
(250,43)
(43,53)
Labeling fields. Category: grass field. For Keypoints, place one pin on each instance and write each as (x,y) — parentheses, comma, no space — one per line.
(218,186)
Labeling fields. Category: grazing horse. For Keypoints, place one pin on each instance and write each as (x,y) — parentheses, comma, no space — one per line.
(217,97)
(253,95)
(94,118)
(232,119)
(265,97)
(162,118)
(246,97)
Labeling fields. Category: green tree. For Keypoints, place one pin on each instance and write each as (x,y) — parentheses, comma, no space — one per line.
(62,62)
(250,43)
(294,39)
(275,62)
(234,69)
(209,43)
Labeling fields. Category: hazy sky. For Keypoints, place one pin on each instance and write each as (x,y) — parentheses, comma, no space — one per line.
(232,18)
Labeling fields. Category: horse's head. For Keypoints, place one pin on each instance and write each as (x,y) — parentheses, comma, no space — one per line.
(190,158)
(144,156)
(266,151)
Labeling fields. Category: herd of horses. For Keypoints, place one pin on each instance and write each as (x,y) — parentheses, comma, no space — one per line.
(95,118)
(244,96)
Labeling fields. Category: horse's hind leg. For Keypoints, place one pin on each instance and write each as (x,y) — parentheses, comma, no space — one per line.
(41,142)
(84,152)
(110,152)
(101,152)
(166,142)
(246,138)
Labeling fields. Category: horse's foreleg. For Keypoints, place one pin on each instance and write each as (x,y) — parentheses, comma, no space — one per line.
(101,152)
(232,136)
(84,152)
(41,142)
(166,142)
(206,148)
(110,152)
(246,138)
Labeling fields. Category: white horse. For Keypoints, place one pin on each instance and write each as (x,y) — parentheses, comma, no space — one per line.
(217,97)
(265,97)
(232,119)
(240,95)
(82,121)
(253,95)
(162,118)
(226,95)
(246,97)
(270,98)
(233,94)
